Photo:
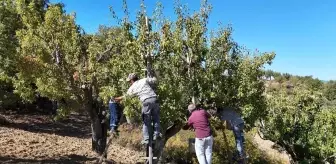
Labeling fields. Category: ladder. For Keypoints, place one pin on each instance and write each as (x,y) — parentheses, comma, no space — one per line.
(149,153)
(150,146)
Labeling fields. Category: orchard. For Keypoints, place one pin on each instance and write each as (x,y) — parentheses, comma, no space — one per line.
(42,46)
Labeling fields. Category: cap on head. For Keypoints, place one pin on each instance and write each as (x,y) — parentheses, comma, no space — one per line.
(132,76)
(191,107)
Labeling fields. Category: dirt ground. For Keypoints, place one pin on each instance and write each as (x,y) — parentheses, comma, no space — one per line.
(267,147)
(35,138)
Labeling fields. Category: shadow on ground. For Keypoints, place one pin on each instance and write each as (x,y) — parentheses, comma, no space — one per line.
(71,159)
(75,125)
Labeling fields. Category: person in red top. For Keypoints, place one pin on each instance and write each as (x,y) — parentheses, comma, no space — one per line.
(199,120)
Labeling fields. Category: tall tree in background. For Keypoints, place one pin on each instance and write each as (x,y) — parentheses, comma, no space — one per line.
(299,121)
(234,76)
(330,90)
(9,23)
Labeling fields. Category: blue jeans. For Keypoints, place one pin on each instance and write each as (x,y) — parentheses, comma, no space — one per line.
(114,115)
(203,148)
(150,113)
(240,139)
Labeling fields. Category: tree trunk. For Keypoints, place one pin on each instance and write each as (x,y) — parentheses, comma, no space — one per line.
(98,137)
(290,151)
(98,124)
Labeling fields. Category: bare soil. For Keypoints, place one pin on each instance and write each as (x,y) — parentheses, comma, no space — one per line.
(267,147)
(36,138)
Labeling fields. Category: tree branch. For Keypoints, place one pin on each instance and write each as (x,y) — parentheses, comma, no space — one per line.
(171,131)
(330,158)
(184,59)
(102,54)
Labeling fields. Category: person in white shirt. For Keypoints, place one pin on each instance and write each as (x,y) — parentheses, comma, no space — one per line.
(150,105)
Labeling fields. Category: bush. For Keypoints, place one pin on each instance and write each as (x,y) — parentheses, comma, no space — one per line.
(177,149)
(7,97)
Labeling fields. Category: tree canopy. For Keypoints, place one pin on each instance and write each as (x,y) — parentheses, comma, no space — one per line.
(43,50)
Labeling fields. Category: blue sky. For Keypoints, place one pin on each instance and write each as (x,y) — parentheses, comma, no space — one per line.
(301,32)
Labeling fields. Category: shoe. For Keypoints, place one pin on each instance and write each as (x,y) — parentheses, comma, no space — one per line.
(110,133)
(145,141)
(156,137)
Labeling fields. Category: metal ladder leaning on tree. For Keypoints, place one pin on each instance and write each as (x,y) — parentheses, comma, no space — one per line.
(149,148)
(149,73)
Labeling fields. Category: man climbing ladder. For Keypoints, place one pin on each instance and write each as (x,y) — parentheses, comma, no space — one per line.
(144,89)
(150,105)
